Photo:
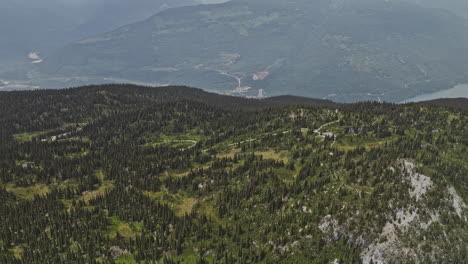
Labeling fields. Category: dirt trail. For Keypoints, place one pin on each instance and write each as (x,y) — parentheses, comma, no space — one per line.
(182,140)
(320,128)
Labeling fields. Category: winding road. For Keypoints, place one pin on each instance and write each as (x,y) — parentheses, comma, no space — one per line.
(317,131)
(182,141)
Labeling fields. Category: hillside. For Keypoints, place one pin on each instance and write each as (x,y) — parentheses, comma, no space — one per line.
(127,174)
(448,102)
(340,50)
(43,26)
(458,7)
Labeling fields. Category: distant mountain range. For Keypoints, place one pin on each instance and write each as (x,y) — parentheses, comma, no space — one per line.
(340,50)
(459,7)
(42,26)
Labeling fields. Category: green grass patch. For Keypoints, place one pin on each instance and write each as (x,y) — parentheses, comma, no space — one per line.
(229,153)
(191,135)
(125,259)
(179,203)
(89,195)
(351,142)
(187,257)
(271,154)
(172,144)
(285,174)
(29,192)
(77,155)
(205,208)
(123,229)
(28,136)
(17,251)
(82,139)
(158,196)
(185,206)
(103,187)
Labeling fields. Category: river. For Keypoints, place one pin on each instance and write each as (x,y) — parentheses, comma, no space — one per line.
(457,91)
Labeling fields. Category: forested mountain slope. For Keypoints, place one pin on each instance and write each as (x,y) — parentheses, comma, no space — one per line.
(343,50)
(458,7)
(43,26)
(449,102)
(125,174)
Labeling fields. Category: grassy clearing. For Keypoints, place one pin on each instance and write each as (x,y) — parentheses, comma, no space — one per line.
(164,197)
(271,154)
(351,143)
(267,154)
(180,175)
(207,209)
(89,195)
(100,175)
(125,259)
(180,145)
(229,154)
(157,196)
(82,139)
(179,204)
(123,229)
(185,207)
(77,155)
(158,138)
(17,251)
(183,173)
(29,192)
(28,136)
(358,188)
(286,175)
(105,186)
(188,257)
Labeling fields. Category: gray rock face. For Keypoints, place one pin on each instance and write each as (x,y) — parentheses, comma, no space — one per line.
(116,252)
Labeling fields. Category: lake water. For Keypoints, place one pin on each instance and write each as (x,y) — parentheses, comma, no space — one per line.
(460,90)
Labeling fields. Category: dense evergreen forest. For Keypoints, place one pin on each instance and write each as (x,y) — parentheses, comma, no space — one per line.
(127,174)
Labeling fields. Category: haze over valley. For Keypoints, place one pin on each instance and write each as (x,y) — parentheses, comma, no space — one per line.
(340,50)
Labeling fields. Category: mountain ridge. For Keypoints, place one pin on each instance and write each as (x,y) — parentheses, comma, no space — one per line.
(171,93)
(312,49)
